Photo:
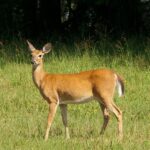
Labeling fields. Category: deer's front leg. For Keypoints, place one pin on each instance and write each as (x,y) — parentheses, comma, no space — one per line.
(63,109)
(51,115)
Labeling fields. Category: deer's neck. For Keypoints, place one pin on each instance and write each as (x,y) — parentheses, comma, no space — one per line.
(38,74)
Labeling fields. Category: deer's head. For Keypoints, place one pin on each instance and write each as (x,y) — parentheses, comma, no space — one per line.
(37,55)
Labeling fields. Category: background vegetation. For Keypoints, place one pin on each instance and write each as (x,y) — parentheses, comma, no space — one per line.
(81,18)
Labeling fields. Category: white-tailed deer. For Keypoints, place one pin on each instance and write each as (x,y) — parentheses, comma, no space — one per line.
(63,89)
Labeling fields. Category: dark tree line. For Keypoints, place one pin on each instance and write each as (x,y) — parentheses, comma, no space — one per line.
(32,18)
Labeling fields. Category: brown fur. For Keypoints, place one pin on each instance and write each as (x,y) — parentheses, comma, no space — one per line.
(80,87)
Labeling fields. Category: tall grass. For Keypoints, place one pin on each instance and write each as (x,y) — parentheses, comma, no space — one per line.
(23,113)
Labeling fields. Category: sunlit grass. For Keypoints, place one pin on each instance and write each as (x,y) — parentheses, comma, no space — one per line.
(23,112)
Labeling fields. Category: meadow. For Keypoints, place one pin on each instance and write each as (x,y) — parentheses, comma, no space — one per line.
(23,112)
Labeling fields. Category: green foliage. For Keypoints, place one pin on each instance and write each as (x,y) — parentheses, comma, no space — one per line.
(23,113)
(38,18)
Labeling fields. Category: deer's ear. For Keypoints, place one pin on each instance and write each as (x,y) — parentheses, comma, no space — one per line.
(31,47)
(47,48)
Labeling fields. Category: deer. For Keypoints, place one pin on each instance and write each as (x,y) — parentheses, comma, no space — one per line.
(76,88)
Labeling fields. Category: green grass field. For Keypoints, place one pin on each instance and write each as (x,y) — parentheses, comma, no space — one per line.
(23,112)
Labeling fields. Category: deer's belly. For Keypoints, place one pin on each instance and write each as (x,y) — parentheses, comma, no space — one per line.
(77,101)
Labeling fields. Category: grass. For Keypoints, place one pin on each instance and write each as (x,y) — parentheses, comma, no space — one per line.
(23,113)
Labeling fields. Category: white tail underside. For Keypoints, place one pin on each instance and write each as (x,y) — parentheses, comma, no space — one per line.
(119,88)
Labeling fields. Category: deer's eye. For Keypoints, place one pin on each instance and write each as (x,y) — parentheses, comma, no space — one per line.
(40,56)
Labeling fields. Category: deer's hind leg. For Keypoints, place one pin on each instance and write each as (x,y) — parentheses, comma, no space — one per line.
(118,113)
(107,105)
(110,105)
(106,117)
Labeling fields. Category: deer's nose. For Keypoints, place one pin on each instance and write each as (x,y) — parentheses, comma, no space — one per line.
(32,61)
